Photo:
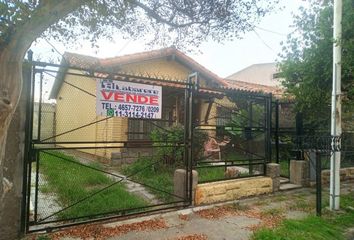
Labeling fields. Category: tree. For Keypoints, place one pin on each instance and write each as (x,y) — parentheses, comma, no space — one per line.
(178,22)
(306,62)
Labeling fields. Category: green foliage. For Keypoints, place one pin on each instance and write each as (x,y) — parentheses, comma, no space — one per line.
(72,182)
(159,176)
(332,225)
(160,22)
(309,228)
(43,237)
(168,143)
(242,118)
(210,173)
(306,61)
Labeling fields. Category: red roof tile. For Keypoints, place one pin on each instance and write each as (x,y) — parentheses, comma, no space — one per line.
(253,87)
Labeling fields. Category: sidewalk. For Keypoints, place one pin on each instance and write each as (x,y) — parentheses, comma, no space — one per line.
(233,220)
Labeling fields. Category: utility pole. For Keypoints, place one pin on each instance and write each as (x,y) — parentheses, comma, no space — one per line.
(336,108)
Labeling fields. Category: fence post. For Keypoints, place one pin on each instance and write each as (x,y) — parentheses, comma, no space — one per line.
(29,78)
(276,133)
(268,129)
(189,129)
(318,184)
(186,136)
(249,137)
(299,133)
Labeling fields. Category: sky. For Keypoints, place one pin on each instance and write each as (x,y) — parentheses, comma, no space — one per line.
(224,59)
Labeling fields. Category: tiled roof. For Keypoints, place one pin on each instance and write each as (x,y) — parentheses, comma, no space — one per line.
(112,64)
(253,87)
(98,66)
(82,61)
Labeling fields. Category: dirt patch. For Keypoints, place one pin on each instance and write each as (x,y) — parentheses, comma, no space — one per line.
(99,232)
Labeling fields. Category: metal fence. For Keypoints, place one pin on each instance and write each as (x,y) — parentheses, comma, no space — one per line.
(291,133)
(82,167)
(236,138)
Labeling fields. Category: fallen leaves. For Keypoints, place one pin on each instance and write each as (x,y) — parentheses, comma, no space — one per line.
(215,213)
(192,237)
(183,217)
(267,220)
(99,232)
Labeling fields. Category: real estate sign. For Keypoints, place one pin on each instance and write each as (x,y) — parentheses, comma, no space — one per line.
(127,99)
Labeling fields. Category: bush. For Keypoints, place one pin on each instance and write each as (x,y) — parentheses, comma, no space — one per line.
(169,144)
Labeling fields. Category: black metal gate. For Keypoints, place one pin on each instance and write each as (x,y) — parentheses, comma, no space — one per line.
(83,168)
(236,135)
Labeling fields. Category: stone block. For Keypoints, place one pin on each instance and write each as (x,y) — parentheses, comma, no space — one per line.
(218,190)
(299,172)
(179,183)
(232,189)
(273,171)
(350,173)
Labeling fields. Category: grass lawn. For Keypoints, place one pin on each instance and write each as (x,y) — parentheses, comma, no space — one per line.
(159,176)
(284,168)
(330,226)
(217,173)
(72,182)
(212,173)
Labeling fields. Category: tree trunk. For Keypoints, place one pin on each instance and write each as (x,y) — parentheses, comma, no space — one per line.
(11,57)
(10,85)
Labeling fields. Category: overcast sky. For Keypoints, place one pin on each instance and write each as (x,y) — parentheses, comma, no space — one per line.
(260,46)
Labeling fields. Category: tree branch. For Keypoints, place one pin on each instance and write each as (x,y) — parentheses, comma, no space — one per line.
(152,13)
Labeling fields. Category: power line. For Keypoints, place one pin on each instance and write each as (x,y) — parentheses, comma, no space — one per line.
(264,42)
(54,48)
(271,31)
(124,46)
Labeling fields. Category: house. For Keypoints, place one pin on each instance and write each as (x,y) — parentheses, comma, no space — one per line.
(74,89)
(266,74)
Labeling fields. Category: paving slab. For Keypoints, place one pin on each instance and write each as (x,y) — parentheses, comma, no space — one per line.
(233,227)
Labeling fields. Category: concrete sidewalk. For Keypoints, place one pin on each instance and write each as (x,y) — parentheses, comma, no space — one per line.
(227,221)
(232,220)
(189,225)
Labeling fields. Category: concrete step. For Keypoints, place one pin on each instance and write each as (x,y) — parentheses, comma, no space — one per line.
(288,186)
(284,180)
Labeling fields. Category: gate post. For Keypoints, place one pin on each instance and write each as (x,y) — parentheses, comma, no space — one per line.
(268,129)
(299,134)
(188,133)
(276,133)
(318,184)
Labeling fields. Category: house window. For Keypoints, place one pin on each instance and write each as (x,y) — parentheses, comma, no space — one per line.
(139,129)
(223,116)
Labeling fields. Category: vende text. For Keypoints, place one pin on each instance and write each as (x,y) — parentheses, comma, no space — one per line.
(129,98)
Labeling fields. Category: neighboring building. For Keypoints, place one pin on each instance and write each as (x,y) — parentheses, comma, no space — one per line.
(265,74)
